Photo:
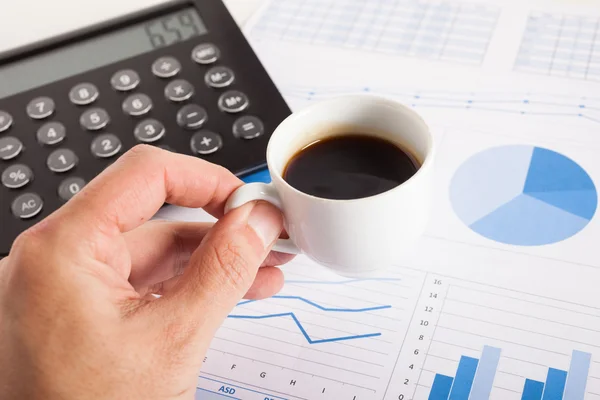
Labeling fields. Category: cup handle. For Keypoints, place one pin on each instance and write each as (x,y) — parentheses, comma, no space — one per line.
(261,191)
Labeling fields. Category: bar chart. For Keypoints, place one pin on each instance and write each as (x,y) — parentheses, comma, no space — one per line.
(469,341)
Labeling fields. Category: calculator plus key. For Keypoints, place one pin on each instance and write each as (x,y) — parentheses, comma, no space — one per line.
(137,104)
(61,160)
(206,142)
(27,205)
(248,127)
(191,116)
(166,67)
(6,121)
(94,119)
(149,130)
(125,80)
(179,90)
(40,107)
(51,133)
(16,176)
(233,101)
(106,145)
(206,53)
(10,147)
(219,77)
(83,94)
(70,187)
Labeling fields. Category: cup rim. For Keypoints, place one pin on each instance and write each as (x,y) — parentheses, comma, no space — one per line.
(358,96)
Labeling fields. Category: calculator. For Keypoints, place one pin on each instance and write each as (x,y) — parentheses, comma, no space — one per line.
(180,76)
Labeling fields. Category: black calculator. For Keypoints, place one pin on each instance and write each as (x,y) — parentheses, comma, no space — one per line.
(180,76)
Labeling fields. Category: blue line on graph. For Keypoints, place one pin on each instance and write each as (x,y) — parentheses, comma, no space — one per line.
(304,333)
(351,310)
(270,396)
(309,282)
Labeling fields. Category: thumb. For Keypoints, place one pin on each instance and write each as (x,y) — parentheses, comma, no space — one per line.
(224,266)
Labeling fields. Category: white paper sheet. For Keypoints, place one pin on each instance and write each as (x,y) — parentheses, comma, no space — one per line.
(501,295)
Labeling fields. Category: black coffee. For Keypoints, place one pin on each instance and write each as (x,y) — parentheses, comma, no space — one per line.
(349,167)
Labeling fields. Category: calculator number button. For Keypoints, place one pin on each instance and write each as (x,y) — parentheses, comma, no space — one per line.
(51,133)
(219,77)
(149,130)
(27,205)
(40,108)
(137,104)
(83,94)
(94,119)
(6,121)
(206,142)
(233,101)
(191,116)
(179,90)
(70,187)
(61,160)
(248,127)
(106,145)
(125,80)
(16,176)
(206,53)
(166,67)
(10,147)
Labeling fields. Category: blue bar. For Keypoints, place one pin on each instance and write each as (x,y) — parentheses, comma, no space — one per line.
(577,376)
(464,378)
(261,175)
(441,387)
(486,371)
(555,384)
(532,390)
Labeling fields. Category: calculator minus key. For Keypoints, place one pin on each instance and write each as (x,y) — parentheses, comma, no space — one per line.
(41,107)
(166,67)
(94,119)
(10,147)
(6,121)
(27,205)
(191,116)
(137,104)
(106,145)
(219,77)
(62,160)
(125,80)
(16,176)
(83,94)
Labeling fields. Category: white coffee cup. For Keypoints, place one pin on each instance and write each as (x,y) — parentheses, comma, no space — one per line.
(352,237)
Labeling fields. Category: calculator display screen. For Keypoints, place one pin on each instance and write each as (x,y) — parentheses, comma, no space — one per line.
(101,50)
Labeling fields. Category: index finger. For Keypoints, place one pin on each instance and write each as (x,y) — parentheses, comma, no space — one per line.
(132,190)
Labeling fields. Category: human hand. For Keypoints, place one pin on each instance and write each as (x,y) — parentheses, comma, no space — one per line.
(77,318)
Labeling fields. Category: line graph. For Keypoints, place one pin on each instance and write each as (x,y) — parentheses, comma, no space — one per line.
(342,282)
(312,303)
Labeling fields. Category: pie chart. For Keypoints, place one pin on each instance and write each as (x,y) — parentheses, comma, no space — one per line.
(523,195)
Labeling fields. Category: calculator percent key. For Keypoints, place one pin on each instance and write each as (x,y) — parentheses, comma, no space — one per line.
(16,176)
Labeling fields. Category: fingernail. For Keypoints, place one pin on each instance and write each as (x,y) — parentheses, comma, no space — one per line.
(267,222)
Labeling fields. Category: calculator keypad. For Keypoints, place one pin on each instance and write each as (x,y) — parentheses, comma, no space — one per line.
(137,104)
(125,80)
(106,145)
(83,94)
(27,205)
(61,160)
(206,142)
(16,176)
(94,119)
(10,147)
(219,77)
(51,133)
(233,101)
(191,116)
(6,121)
(41,107)
(149,131)
(70,187)
(166,67)
(179,90)
(205,53)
